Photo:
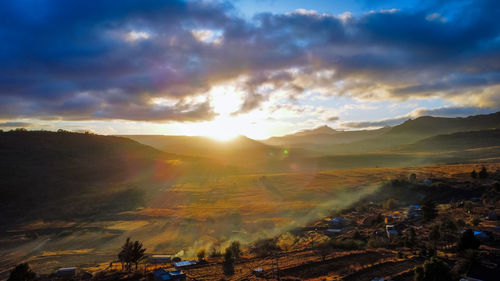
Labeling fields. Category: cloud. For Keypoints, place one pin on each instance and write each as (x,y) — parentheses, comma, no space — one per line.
(81,60)
(15,124)
(332,118)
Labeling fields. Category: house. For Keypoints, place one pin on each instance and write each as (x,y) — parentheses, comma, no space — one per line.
(161,259)
(414,212)
(67,271)
(391,231)
(185,263)
(337,223)
(163,275)
(492,216)
(333,231)
(428,182)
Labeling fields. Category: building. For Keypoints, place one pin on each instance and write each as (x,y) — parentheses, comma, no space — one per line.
(161,259)
(337,223)
(184,263)
(66,271)
(163,275)
(414,212)
(391,231)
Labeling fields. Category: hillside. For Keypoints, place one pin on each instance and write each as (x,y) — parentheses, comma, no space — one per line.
(457,141)
(44,173)
(241,151)
(417,129)
(311,140)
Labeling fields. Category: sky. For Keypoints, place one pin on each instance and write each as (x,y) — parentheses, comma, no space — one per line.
(256,68)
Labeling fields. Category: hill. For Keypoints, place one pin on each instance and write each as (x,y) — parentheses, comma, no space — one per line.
(49,174)
(457,141)
(315,141)
(241,151)
(415,130)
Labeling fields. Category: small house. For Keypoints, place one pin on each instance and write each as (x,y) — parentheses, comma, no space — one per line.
(185,263)
(492,216)
(161,259)
(337,223)
(67,271)
(391,231)
(414,212)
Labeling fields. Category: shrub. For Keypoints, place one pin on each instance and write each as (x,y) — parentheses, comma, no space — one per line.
(390,204)
(483,173)
(348,244)
(264,247)
(473,174)
(377,243)
(200,254)
(433,269)
(235,249)
(468,241)
(22,272)
(429,210)
(228,263)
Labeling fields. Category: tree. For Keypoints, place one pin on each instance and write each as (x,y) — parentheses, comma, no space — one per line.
(413,178)
(483,173)
(201,254)
(131,253)
(22,272)
(429,210)
(322,250)
(235,249)
(468,241)
(228,263)
(435,235)
(433,270)
(473,174)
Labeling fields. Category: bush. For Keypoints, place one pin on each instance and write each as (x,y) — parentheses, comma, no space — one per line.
(228,263)
(433,269)
(264,248)
(429,210)
(22,272)
(235,249)
(468,241)
(200,254)
(483,173)
(375,243)
(390,204)
(348,244)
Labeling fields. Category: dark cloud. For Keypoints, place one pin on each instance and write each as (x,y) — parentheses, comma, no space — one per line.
(15,124)
(81,60)
(332,118)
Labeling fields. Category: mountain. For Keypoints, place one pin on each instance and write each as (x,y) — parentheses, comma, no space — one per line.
(49,175)
(314,140)
(241,151)
(457,141)
(415,130)
(429,126)
(323,130)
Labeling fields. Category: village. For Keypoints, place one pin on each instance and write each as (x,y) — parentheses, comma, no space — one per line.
(410,228)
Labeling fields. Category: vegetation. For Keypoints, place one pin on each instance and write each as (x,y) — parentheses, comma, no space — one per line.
(390,204)
(468,241)
(228,263)
(483,173)
(429,210)
(201,254)
(235,249)
(22,272)
(131,253)
(433,269)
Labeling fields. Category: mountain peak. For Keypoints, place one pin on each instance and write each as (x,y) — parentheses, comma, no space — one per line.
(322,130)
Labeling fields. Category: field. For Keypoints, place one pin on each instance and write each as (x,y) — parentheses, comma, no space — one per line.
(184,217)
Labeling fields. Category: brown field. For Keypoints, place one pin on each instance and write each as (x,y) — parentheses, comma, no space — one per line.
(183,218)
